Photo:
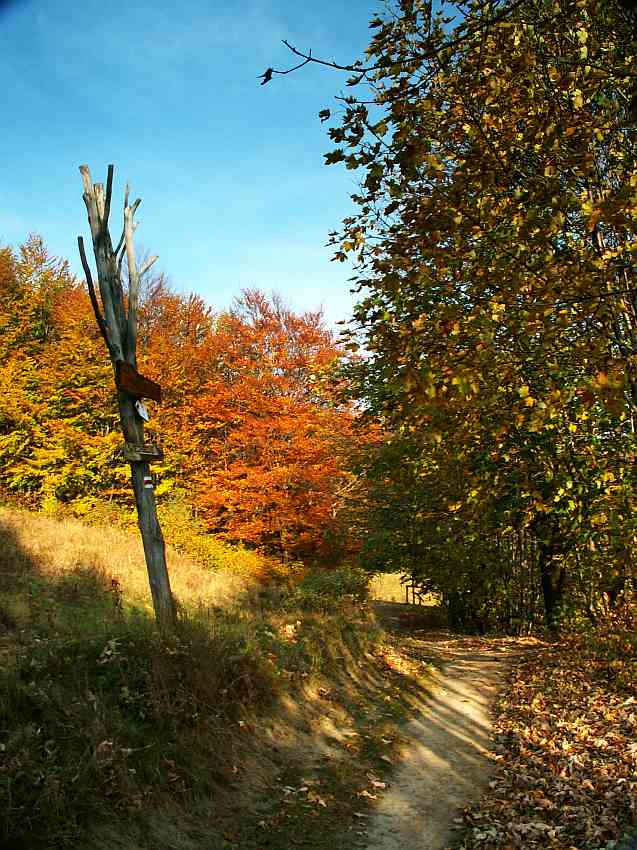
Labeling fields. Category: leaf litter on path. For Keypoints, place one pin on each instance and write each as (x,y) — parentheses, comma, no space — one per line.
(565,756)
(445,762)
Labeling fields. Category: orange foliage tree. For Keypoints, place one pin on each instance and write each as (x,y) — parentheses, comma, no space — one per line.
(267,442)
(253,436)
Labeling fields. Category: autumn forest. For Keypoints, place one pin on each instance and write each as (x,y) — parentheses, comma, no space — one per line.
(471,427)
(248,423)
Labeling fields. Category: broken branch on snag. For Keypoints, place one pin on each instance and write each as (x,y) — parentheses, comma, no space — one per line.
(147,264)
(109,284)
(91,291)
(107,201)
(89,200)
(119,244)
(133,278)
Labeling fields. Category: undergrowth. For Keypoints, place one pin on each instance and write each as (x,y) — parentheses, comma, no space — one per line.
(611,647)
(183,531)
(100,719)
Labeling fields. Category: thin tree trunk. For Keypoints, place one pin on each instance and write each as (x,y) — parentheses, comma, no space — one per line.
(147,519)
(552,576)
(117,322)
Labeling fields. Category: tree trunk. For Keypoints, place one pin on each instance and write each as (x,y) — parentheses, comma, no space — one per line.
(552,575)
(117,320)
(147,520)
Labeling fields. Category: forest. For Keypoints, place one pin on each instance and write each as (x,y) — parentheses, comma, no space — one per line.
(471,427)
(253,440)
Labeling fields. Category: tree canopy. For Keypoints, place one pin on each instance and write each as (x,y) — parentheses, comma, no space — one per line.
(251,430)
(494,241)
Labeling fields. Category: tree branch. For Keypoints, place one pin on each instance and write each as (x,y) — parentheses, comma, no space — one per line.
(89,200)
(430,53)
(107,201)
(305,61)
(147,264)
(133,280)
(91,291)
(119,244)
(120,259)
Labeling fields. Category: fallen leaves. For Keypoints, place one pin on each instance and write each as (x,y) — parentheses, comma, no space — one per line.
(375,782)
(313,797)
(366,793)
(566,774)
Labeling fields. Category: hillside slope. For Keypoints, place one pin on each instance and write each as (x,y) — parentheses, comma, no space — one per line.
(111,739)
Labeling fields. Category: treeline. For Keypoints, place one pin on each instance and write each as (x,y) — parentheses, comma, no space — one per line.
(496,337)
(253,438)
(495,242)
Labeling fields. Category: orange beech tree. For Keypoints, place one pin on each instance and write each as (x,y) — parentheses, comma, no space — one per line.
(174,349)
(267,459)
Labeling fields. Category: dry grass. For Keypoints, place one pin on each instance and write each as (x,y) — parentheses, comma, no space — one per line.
(386,587)
(111,736)
(390,587)
(58,547)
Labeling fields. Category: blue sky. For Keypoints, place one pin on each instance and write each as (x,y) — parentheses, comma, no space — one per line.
(235,192)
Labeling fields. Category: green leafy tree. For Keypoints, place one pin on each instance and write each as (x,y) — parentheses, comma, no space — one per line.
(495,240)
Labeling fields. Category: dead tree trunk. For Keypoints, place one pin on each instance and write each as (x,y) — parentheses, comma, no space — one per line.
(117,321)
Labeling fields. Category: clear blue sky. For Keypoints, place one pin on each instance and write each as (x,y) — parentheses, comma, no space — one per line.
(235,192)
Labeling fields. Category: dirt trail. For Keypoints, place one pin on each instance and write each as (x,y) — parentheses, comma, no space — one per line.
(445,763)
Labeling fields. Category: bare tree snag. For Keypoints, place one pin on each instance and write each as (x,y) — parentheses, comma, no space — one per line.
(117,321)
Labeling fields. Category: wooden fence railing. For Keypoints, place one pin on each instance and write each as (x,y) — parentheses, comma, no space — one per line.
(416,591)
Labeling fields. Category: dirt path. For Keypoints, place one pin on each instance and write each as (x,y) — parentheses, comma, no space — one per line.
(445,762)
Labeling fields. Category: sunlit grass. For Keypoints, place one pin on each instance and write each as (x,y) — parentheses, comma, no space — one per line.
(102,722)
(387,587)
(53,548)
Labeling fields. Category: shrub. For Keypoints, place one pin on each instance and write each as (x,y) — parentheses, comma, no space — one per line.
(612,647)
(320,589)
(89,724)
(189,536)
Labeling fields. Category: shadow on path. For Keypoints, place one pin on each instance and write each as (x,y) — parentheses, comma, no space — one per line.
(446,763)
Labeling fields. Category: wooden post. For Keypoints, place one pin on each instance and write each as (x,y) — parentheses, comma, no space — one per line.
(117,321)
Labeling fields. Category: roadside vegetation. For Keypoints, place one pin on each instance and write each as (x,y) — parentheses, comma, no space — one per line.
(246,721)
(474,428)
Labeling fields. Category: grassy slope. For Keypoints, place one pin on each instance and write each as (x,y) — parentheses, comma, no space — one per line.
(272,721)
(268,722)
